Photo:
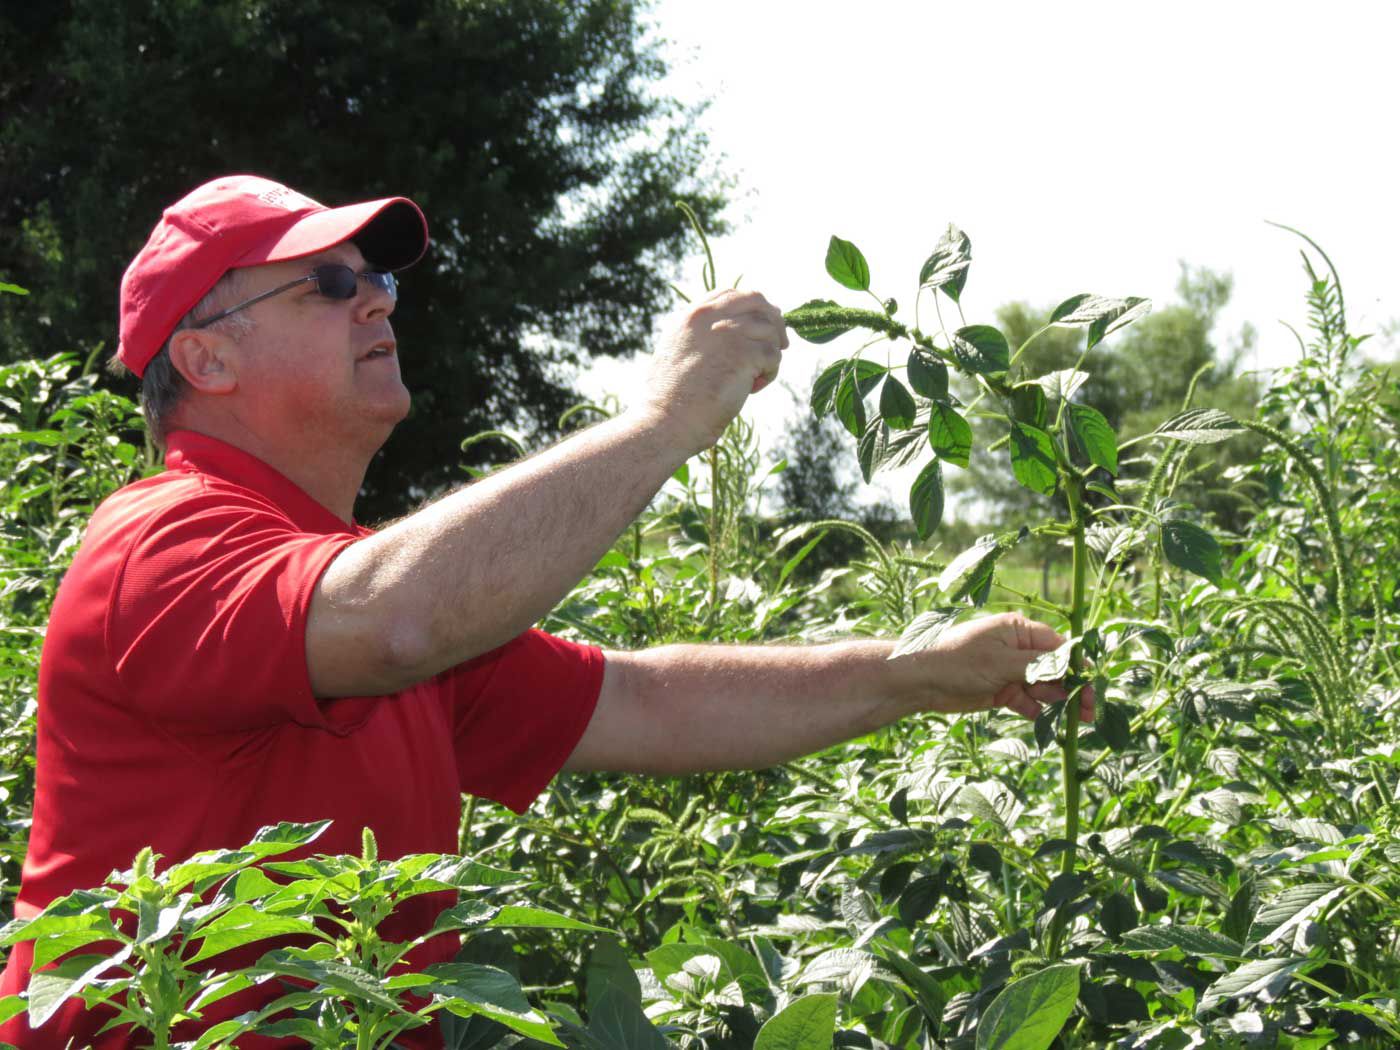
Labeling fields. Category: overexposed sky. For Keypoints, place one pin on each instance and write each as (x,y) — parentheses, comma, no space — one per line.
(1082,146)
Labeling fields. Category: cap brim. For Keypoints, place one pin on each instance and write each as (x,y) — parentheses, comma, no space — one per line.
(391,234)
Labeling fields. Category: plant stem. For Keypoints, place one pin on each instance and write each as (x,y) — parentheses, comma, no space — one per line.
(1069,747)
(714,531)
(464,832)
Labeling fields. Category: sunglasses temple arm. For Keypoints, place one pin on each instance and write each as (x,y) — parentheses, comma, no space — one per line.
(256,299)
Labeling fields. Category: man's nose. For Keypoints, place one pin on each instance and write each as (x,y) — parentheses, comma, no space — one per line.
(372,303)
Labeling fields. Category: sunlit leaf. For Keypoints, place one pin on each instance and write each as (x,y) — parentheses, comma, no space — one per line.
(982,349)
(926,499)
(946,267)
(1199,426)
(1062,385)
(896,404)
(925,630)
(1030,1012)
(1258,975)
(927,375)
(1095,436)
(1033,459)
(1188,546)
(847,265)
(806,1023)
(1193,940)
(949,434)
(1102,315)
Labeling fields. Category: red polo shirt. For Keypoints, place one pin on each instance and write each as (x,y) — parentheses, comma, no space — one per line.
(175,706)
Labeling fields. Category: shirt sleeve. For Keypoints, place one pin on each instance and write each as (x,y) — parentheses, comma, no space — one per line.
(206,626)
(519,712)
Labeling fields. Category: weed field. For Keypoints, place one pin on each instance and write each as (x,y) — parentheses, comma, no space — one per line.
(1214,862)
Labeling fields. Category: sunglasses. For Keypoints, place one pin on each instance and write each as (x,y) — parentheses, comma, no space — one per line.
(333,280)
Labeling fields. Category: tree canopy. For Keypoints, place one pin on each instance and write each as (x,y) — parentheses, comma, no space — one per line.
(528,130)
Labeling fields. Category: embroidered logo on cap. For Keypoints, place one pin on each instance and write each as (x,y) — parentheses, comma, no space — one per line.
(289,200)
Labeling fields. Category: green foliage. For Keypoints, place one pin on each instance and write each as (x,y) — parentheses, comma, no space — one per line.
(530,131)
(1211,863)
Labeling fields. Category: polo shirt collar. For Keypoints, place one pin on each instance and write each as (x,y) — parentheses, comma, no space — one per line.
(192,452)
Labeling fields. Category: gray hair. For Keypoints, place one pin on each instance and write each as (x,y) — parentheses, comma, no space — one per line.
(162,385)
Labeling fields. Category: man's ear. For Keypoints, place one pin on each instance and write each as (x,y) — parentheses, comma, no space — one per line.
(205,360)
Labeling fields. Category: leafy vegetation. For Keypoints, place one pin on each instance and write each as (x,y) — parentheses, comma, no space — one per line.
(1212,863)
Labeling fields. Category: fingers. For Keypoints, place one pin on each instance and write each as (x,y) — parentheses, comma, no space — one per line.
(1031,700)
(1033,636)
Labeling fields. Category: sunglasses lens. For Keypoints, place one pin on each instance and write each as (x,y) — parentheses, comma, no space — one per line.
(383,281)
(335,282)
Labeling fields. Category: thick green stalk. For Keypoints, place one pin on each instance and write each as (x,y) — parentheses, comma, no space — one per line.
(714,532)
(1069,747)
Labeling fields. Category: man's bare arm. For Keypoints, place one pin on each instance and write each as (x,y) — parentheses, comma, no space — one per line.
(687,708)
(478,567)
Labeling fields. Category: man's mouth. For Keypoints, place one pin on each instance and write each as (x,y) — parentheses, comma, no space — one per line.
(379,350)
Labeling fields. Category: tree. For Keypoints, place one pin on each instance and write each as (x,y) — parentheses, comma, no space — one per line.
(1139,378)
(527,130)
(817,483)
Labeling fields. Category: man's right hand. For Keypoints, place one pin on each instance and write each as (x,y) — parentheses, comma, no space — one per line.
(725,348)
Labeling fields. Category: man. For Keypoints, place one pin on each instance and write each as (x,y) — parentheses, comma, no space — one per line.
(230,649)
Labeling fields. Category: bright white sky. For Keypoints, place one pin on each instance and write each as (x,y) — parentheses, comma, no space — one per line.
(1083,146)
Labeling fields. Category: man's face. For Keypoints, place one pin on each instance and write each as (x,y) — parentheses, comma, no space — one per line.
(325,369)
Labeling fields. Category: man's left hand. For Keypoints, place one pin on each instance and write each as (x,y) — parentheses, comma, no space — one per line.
(982,664)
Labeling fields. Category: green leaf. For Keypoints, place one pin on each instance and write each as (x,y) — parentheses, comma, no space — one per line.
(1029,404)
(807,322)
(609,968)
(1033,459)
(245,924)
(524,917)
(947,267)
(924,630)
(619,1023)
(873,448)
(926,499)
(823,399)
(80,910)
(279,838)
(55,946)
(807,1023)
(1063,384)
(1188,546)
(13,289)
(1293,906)
(1029,1013)
(1051,666)
(965,573)
(927,375)
(897,404)
(857,381)
(1095,436)
(1251,978)
(1193,940)
(847,265)
(1112,722)
(1102,315)
(949,434)
(469,915)
(1199,426)
(982,349)
(12,1006)
(471,988)
(50,989)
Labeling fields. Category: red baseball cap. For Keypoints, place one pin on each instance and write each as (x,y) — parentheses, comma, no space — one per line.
(244,220)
